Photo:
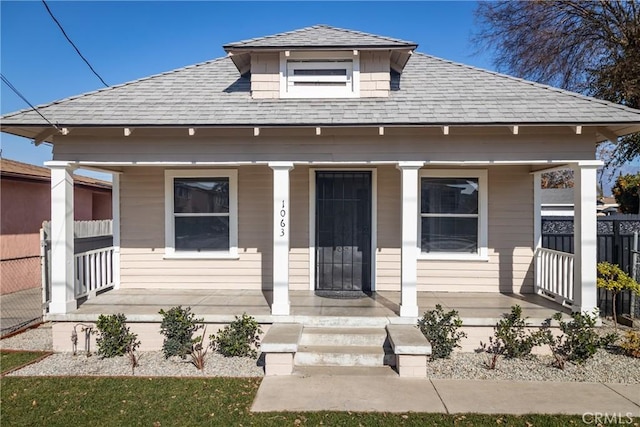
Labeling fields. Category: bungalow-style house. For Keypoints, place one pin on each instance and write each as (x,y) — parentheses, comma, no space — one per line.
(327,161)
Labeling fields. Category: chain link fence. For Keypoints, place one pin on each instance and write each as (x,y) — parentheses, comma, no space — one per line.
(20,293)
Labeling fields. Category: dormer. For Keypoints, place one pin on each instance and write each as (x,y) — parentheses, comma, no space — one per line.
(320,62)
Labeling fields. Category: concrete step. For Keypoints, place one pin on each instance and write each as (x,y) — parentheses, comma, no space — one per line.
(343,321)
(368,337)
(353,371)
(311,355)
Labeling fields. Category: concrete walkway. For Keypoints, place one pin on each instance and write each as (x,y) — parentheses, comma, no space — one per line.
(386,392)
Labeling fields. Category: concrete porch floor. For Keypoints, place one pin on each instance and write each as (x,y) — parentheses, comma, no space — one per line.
(220,306)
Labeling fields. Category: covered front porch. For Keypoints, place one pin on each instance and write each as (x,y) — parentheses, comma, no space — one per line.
(220,306)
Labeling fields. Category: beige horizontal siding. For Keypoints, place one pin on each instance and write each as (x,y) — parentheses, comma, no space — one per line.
(142,236)
(374,74)
(510,237)
(327,148)
(265,75)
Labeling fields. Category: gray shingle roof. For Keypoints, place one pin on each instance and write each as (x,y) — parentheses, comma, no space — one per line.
(432,91)
(321,36)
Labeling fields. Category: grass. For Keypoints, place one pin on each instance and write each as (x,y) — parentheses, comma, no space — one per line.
(14,359)
(111,401)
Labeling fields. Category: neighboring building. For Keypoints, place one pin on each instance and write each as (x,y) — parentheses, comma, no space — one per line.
(329,160)
(25,202)
(559,202)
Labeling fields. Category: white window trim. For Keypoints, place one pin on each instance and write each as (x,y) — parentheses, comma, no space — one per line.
(483,209)
(325,92)
(169,234)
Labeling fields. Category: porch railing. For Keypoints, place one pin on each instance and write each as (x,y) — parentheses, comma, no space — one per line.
(554,278)
(93,271)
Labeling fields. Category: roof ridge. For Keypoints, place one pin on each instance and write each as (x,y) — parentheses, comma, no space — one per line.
(533,83)
(316,26)
(106,89)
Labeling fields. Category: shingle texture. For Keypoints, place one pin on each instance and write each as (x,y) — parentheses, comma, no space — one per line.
(321,36)
(431,91)
(15,169)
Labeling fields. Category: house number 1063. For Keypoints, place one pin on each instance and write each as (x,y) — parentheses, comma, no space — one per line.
(283,214)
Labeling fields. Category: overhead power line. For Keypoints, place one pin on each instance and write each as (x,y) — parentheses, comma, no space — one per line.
(72,44)
(17,92)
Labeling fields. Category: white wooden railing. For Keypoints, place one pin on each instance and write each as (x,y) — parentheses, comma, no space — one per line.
(93,271)
(554,275)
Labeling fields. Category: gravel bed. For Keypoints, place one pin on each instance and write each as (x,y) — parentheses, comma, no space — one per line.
(603,367)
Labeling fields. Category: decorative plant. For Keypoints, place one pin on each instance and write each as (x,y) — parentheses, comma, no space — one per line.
(511,332)
(494,348)
(240,338)
(178,326)
(441,329)
(198,351)
(579,340)
(115,338)
(631,344)
(612,278)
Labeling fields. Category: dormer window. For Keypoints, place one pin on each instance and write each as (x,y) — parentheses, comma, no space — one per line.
(319,75)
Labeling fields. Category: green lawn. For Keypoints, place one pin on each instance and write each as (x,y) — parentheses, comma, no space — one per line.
(68,401)
(13,359)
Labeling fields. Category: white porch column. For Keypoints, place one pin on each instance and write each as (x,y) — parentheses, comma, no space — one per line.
(409,254)
(281,214)
(62,264)
(115,214)
(537,226)
(585,236)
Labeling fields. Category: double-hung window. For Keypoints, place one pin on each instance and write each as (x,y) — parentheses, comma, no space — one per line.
(201,213)
(453,214)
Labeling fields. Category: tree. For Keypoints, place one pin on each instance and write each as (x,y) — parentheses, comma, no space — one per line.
(592,47)
(612,278)
(627,193)
(558,179)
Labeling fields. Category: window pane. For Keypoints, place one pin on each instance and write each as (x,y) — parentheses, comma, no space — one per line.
(201,195)
(202,233)
(450,235)
(320,72)
(450,195)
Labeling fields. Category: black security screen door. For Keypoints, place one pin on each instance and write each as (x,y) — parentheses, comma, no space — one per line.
(343,232)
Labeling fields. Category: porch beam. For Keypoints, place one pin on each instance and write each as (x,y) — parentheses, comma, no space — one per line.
(585,236)
(281,220)
(409,251)
(62,244)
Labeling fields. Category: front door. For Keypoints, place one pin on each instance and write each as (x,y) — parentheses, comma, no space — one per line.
(343,232)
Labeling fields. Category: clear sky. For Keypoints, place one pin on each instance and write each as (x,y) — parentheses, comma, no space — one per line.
(128,40)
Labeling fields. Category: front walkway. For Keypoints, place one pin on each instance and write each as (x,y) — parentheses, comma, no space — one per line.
(220,306)
(390,393)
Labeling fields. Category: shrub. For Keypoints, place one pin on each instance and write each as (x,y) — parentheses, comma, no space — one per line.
(240,338)
(178,326)
(579,340)
(198,352)
(631,344)
(511,332)
(114,338)
(494,348)
(612,278)
(441,329)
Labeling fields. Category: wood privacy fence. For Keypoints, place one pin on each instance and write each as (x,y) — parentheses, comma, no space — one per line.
(616,245)
(93,258)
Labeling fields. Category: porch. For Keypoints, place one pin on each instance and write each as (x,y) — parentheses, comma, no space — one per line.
(381,308)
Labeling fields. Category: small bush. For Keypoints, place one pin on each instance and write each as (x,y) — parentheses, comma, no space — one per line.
(178,326)
(579,341)
(199,352)
(494,348)
(114,338)
(240,338)
(441,329)
(511,332)
(631,344)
